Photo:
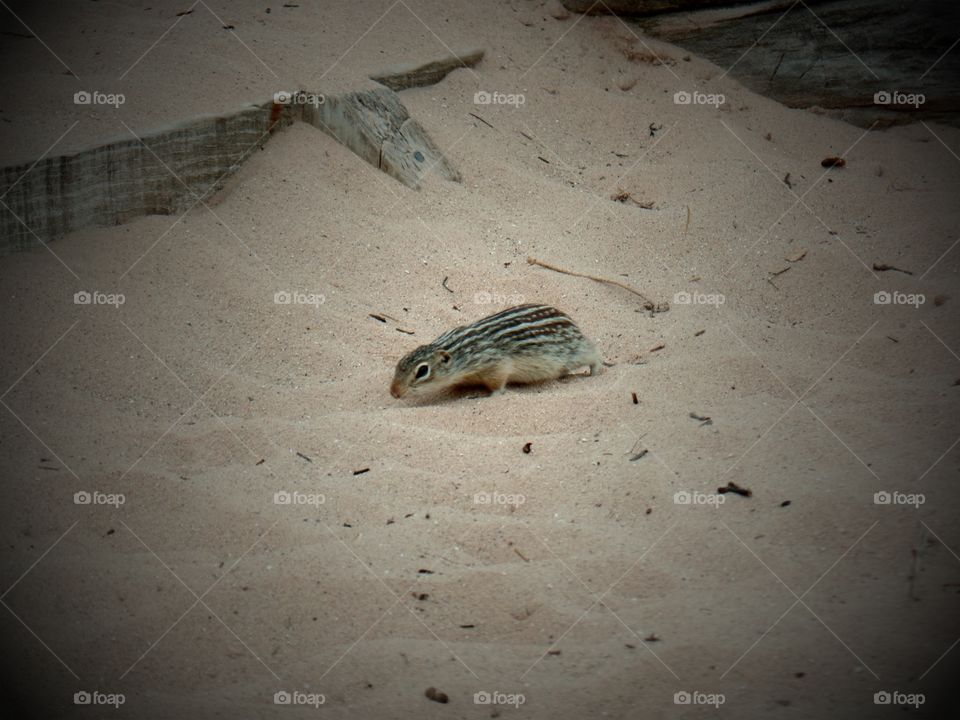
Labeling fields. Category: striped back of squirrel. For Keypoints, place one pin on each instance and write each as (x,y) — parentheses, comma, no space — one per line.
(521,330)
(526,343)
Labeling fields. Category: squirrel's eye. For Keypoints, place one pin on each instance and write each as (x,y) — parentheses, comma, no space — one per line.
(422,371)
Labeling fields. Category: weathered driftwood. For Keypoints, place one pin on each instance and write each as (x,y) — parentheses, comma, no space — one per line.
(174,168)
(843,58)
(114,182)
(377,127)
(401,77)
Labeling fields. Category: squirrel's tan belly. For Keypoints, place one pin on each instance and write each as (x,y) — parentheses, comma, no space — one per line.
(525,369)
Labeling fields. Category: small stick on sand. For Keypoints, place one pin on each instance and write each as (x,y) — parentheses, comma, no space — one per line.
(444,284)
(687,226)
(734,488)
(648,304)
(482,120)
(637,454)
(382,317)
(883,267)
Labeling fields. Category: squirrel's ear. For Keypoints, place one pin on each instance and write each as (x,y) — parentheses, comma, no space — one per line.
(444,356)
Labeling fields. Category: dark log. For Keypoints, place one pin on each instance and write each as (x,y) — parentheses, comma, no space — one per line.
(846,56)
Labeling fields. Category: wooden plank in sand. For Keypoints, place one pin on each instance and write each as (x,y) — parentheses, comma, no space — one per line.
(377,127)
(170,170)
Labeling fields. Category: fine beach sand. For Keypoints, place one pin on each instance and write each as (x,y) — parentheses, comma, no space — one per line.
(582,585)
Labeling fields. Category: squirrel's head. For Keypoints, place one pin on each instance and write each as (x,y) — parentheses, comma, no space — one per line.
(427,366)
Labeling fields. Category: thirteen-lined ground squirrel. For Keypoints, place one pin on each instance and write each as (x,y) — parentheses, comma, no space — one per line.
(524,344)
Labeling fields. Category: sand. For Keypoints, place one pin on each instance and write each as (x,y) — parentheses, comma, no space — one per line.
(423,547)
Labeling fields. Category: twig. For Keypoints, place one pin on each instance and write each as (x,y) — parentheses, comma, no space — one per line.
(637,454)
(482,120)
(734,488)
(622,196)
(648,304)
(883,267)
(382,317)
(687,226)
(444,284)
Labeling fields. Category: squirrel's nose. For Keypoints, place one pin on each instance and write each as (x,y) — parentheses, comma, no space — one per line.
(395,391)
